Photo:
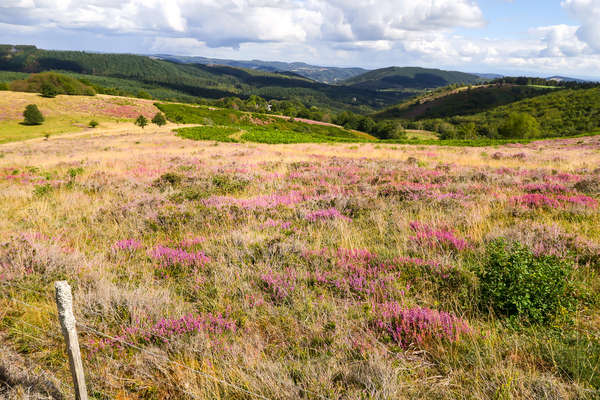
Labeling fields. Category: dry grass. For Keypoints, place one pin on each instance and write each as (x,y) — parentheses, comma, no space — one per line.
(66,114)
(70,199)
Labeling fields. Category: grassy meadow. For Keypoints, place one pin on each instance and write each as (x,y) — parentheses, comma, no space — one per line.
(216,270)
(66,114)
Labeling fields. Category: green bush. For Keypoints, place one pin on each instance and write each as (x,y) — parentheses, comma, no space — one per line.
(32,115)
(518,284)
(159,119)
(519,125)
(48,90)
(93,123)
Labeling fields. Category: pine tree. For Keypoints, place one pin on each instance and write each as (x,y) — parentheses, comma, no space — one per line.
(32,115)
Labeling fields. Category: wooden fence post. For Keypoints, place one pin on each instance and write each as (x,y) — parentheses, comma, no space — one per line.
(64,302)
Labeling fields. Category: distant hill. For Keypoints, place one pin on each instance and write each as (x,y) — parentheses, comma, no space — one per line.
(460,101)
(566,79)
(185,80)
(402,78)
(490,76)
(317,73)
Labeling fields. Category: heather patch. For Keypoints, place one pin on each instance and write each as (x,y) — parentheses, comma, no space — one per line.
(341,270)
(419,326)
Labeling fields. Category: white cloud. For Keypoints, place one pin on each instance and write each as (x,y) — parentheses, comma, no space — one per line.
(371,33)
(588,12)
(232,22)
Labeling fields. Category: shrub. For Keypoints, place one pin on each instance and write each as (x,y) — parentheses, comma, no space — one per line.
(93,123)
(520,125)
(32,115)
(516,283)
(159,119)
(48,90)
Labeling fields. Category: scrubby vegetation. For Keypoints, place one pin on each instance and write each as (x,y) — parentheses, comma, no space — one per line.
(254,127)
(49,84)
(560,113)
(309,271)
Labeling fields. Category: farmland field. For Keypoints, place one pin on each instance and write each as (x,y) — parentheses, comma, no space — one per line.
(207,270)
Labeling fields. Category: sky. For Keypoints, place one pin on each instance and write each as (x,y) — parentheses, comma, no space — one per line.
(533,37)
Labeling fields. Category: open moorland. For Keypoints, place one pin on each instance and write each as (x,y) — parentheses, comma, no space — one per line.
(204,269)
(67,114)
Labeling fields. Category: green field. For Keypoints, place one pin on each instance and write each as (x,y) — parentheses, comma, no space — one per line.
(220,124)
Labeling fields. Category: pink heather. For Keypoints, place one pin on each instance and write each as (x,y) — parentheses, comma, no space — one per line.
(270,223)
(265,201)
(191,241)
(330,213)
(544,188)
(169,256)
(127,245)
(536,200)
(279,285)
(426,235)
(415,326)
(166,329)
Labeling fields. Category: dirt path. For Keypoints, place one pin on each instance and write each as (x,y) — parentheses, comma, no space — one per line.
(238,135)
(107,129)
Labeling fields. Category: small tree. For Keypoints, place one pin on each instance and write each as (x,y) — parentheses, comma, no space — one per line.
(32,115)
(159,119)
(141,121)
(49,90)
(93,123)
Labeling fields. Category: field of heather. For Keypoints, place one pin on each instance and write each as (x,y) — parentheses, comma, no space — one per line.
(205,270)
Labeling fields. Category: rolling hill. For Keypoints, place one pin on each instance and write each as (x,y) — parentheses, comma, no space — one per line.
(321,74)
(460,101)
(402,78)
(178,81)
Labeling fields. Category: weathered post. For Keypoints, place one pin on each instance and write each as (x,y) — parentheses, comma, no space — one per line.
(64,302)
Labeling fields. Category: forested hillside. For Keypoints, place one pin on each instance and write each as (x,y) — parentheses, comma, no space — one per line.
(206,81)
(561,113)
(461,101)
(409,78)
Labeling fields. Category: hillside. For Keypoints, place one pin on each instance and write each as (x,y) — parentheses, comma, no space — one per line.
(66,114)
(460,101)
(399,78)
(314,72)
(206,81)
(561,113)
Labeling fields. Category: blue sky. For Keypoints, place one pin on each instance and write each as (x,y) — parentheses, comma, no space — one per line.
(512,37)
